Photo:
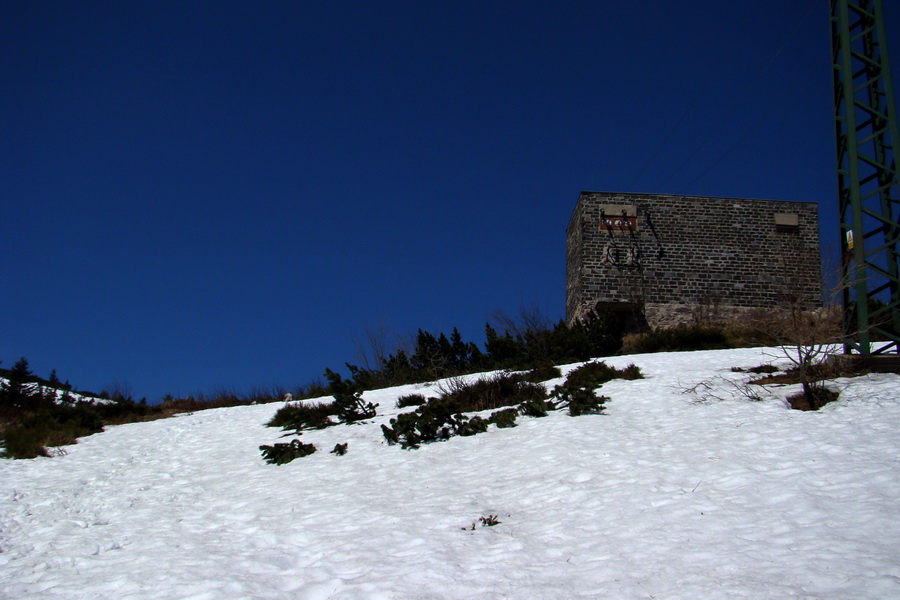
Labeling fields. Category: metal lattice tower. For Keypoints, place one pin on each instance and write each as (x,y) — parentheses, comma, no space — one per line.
(868,187)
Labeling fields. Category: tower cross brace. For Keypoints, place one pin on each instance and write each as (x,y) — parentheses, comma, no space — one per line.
(868,184)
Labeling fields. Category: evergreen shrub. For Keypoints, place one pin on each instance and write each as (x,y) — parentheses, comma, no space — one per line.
(536,407)
(20,390)
(430,422)
(535,342)
(41,413)
(493,391)
(594,374)
(685,337)
(504,418)
(441,418)
(298,416)
(436,420)
(578,392)
(81,419)
(471,426)
(282,453)
(580,401)
(55,425)
(542,373)
(348,399)
(126,411)
(411,400)
(24,442)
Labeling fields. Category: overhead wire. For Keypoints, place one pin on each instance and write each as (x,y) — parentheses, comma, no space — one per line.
(728,116)
(711,73)
(753,128)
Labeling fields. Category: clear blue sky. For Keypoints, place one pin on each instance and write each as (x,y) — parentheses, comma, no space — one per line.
(206,195)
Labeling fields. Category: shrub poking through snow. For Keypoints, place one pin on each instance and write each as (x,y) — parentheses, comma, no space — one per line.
(441,418)
(50,427)
(767,368)
(281,454)
(685,337)
(542,373)
(24,442)
(536,407)
(433,421)
(493,391)
(348,406)
(348,399)
(505,418)
(411,400)
(299,415)
(489,521)
(578,392)
(391,435)
(471,426)
(580,401)
(594,374)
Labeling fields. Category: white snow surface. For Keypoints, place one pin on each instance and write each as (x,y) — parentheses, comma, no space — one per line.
(669,494)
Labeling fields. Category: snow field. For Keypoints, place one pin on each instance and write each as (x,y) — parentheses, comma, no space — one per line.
(663,496)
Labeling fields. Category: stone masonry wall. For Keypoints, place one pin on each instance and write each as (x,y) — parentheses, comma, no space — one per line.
(676,255)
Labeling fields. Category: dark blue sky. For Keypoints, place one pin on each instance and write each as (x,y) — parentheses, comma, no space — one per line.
(206,195)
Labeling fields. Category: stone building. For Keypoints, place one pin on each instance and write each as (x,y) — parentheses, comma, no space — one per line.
(677,259)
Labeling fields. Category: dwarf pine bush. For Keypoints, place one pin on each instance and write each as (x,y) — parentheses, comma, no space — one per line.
(504,418)
(580,401)
(594,374)
(298,416)
(411,400)
(441,418)
(348,406)
(50,427)
(471,426)
(348,399)
(685,337)
(281,454)
(24,442)
(578,392)
(493,391)
(542,373)
(434,421)
(536,407)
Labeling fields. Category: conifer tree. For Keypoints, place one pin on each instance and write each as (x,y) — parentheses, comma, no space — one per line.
(348,399)
(14,392)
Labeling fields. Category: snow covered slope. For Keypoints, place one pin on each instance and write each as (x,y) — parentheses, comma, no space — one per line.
(60,395)
(667,495)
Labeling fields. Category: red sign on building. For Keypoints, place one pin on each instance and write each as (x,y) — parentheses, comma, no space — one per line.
(618,217)
(618,223)
(611,223)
